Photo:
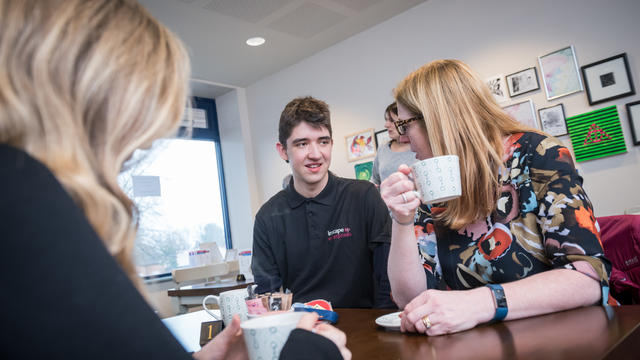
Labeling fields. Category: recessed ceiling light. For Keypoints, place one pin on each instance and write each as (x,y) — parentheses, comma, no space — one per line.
(255,41)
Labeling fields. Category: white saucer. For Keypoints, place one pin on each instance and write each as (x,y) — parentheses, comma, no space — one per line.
(390,321)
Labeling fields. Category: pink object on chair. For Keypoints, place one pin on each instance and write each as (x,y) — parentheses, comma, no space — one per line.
(620,236)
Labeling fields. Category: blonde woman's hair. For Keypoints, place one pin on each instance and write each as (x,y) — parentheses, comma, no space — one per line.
(83,83)
(461,118)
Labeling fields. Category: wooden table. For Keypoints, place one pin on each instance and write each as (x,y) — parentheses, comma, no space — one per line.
(593,332)
(191,295)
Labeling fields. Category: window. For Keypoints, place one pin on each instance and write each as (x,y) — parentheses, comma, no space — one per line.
(178,188)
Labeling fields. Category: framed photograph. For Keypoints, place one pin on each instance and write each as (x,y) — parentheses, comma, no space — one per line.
(523,82)
(633,110)
(364,170)
(360,145)
(552,120)
(382,137)
(608,79)
(497,87)
(523,112)
(560,73)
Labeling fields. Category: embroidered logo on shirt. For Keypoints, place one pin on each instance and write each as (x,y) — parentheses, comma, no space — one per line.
(339,233)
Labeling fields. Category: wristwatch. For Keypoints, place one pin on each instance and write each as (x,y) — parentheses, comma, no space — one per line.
(501,302)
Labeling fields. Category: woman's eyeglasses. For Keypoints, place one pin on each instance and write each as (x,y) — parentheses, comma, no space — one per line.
(401,125)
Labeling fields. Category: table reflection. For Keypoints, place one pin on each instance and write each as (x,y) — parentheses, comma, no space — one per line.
(584,333)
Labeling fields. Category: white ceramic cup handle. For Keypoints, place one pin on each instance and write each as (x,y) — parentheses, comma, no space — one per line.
(204,305)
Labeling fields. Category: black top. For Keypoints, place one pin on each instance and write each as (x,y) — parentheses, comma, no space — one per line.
(333,246)
(298,344)
(63,294)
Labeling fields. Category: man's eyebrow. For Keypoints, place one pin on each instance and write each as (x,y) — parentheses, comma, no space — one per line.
(298,140)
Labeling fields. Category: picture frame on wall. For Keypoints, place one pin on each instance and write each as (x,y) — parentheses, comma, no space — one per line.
(559,71)
(523,82)
(523,112)
(552,120)
(364,170)
(360,145)
(633,112)
(608,79)
(497,87)
(382,137)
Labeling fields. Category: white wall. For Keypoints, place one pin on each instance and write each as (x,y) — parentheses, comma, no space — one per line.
(237,159)
(355,77)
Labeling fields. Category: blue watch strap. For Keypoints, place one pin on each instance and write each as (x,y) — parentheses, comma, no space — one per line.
(501,302)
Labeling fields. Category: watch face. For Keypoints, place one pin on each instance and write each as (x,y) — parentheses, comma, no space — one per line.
(500,298)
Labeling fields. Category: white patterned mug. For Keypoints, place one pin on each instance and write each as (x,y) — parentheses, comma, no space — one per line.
(265,336)
(437,179)
(230,302)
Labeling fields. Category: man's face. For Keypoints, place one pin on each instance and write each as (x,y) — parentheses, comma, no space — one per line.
(309,153)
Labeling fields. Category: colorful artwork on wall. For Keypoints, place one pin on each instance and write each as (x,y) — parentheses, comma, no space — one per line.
(596,134)
(360,145)
(364,170)
(560,73)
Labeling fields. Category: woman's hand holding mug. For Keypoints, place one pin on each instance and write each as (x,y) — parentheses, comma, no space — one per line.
(399,193)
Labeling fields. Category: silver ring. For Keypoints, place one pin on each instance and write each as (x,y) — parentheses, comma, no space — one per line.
(404,197)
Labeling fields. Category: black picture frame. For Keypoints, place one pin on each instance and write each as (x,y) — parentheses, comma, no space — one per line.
(382,137)
(634,122)
(553,120)
(608,79)
(523,78)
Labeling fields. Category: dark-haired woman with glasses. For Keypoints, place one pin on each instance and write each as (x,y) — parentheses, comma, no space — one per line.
(393,153)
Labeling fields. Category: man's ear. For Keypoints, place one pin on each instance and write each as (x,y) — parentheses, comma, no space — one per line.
(282,151)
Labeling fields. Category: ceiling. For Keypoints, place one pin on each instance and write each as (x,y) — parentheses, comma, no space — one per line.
(215,32)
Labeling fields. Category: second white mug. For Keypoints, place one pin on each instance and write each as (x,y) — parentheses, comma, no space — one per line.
(230,302)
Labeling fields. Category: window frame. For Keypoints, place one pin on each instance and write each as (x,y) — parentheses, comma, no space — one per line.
(211,133)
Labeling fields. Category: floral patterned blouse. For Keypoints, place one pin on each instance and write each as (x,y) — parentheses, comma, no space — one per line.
(543,220)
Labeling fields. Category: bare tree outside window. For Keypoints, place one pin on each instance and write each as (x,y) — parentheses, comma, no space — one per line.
(180,208)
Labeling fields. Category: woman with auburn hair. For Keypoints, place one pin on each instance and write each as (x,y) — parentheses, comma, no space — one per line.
(522,239)
(83,83)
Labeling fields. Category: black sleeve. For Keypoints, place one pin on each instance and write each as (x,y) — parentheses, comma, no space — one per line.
(382,287)
(263,263)
(379,242)
(303,344)
(63,295)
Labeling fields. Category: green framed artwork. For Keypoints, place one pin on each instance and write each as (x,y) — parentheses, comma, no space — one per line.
(363,170)
(596,134)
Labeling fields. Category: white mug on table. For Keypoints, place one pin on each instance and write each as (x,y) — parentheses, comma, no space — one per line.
(230,302)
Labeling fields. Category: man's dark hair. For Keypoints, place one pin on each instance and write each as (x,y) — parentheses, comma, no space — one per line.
(308,109)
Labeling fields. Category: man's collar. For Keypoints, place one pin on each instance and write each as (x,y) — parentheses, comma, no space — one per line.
(325,197)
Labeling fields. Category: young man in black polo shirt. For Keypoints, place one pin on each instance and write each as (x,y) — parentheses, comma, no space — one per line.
(322,237)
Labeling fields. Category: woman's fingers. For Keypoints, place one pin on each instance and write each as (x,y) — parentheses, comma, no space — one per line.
(337,336)
(308,321)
